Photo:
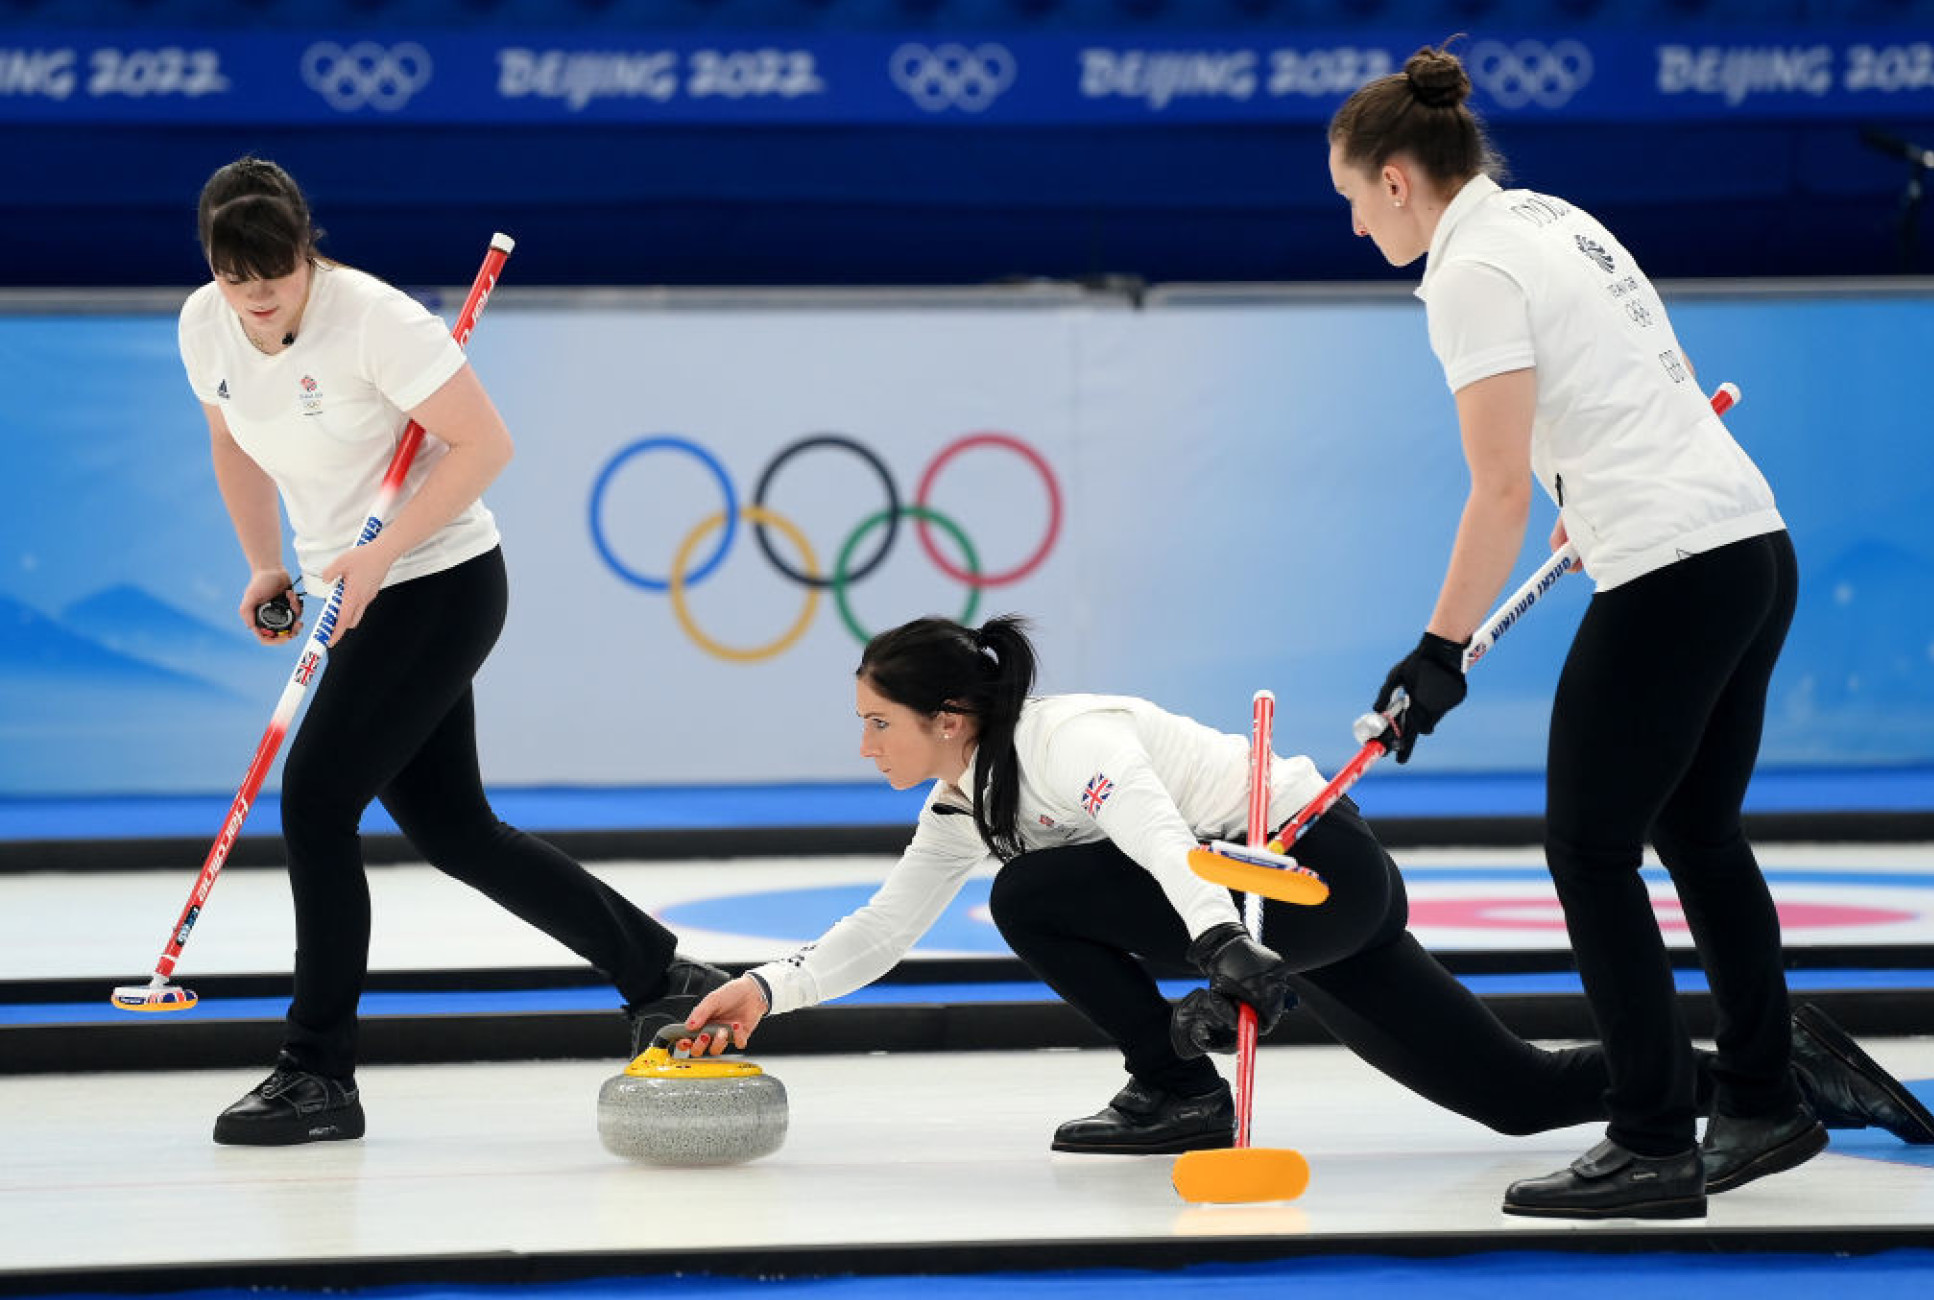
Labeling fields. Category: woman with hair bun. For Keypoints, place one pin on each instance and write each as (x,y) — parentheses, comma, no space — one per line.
(1565,368)
(1089,805)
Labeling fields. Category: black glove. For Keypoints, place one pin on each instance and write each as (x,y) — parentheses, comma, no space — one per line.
(1204,1021)
(1432,676)
(1242,970)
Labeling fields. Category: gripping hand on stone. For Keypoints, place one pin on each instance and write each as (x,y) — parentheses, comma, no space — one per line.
(740,1003)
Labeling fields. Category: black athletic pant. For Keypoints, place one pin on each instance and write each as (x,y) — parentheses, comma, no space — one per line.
(1655,729)
(1080,916)
(392,719)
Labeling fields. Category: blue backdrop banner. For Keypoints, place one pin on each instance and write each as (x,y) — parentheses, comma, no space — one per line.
(712,507)
(445,77)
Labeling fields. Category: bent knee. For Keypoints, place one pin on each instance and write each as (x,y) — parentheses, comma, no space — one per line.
(1024,895)
(461,850)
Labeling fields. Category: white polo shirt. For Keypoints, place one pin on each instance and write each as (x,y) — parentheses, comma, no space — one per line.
(323,416)
(1093,767)
(1623,440)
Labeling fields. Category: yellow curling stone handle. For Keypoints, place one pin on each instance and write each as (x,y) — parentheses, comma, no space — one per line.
(657,1061)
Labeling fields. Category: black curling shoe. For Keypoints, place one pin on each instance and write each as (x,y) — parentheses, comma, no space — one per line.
(1146,1121)
(292,1105)
(686,984)
(1736,1151)
(1610,1182)
(1847,1088)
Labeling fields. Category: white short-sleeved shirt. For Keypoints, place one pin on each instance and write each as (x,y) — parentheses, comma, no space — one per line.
(323,416)
(1623,439)
(1092,767)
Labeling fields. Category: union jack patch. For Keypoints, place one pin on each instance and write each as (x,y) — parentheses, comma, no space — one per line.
(1096,794)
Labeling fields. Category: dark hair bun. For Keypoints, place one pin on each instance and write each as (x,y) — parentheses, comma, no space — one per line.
(1437,78)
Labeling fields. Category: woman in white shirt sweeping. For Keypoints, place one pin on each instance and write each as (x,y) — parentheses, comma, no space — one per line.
(1566,370)
(307,371)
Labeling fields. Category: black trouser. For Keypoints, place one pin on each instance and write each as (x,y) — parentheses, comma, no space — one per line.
(1655,729)
(392,719)
(1079,917)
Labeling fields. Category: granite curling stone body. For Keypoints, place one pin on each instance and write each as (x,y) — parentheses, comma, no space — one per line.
(666,1110)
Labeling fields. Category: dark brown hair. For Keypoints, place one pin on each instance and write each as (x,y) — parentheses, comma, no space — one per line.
(935,664)
(254,222)
(1420,112)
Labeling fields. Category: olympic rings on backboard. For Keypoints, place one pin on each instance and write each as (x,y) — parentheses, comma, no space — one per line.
(951,75)
(1530,72)
(758,515)
(891,514)
(841,578)
(366,74)
(603,484)
(1033,457)
(693,562)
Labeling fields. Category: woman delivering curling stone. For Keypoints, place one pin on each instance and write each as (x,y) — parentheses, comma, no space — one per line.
(306,370)
(1091,804)
(1566,369)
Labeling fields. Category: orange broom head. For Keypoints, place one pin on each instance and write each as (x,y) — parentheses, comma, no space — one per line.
(154,997)
(1253,873)
(1240,1175)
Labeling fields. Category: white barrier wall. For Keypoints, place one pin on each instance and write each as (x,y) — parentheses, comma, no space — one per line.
(1191,501)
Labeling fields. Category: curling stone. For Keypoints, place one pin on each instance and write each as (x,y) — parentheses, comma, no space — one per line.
(667,1110)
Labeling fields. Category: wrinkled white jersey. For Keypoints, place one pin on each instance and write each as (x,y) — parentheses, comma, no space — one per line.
(1623,439)
(323,416)
(1093,767)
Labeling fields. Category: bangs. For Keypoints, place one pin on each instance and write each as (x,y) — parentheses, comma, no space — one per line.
(255,237)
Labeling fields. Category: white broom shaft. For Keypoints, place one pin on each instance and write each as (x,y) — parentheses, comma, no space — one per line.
(1262,726)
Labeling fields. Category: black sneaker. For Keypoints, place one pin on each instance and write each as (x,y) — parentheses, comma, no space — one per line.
(1610,1182)
(686,983)
(1144,1120)
(1847,1088)
(1736,1151)
(292,1105)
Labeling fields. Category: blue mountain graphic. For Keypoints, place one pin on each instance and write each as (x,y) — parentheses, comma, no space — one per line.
(132,621)
(1864,628)
(33,645)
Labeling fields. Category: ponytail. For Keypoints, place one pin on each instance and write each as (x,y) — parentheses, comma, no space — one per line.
(997,778)
(935,665)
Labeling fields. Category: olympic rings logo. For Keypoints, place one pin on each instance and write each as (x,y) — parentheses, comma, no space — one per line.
(366,75)
(1530,72)
(952,76)
(849,567)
